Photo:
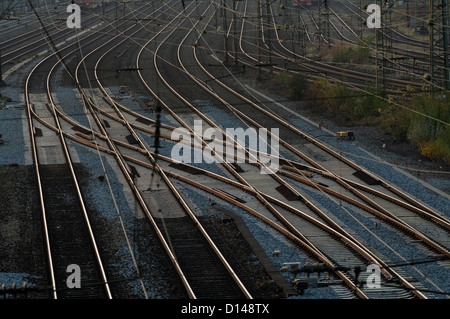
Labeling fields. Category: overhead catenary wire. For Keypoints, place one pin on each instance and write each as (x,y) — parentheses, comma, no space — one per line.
(182,70)
(368,93)
(61,60)
(247,21)
(244,122)
(108,179)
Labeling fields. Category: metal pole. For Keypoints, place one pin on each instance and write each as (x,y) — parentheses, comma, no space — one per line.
(386,37)
(408,17)
(446,42)
(377,65)
(234,33)
(225,30)
(324,21)
(360,25)
(258,36)
(269,34)
(2,83)
(430,43)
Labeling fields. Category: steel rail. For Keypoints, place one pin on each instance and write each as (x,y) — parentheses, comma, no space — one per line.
(338,70)
(171,187)
(74,178)
(168,182)
(225,163)
(215,95)
(223,196)
(30,115)
(40,192)
(126,171)
(322,146)
(292,236)
(280,217)
(231,200)
(80,196)
(185,125)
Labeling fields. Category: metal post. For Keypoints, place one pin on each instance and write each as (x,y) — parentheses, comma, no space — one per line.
(324,21)
(234,34)
(408,19)
(269,34)
(258,36)
(439,41)
(431,42)
(2,83)
(377,54)
(446,42)
(225,30)
(383,44)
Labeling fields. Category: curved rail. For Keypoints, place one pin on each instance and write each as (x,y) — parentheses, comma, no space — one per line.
(145,151)
(75,180)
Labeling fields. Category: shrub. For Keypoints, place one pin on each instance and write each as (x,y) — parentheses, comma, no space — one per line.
(411,118)
(292,84)
(432,136)
(344,53)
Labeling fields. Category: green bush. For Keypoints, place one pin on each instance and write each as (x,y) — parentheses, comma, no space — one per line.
(432,136)
(352,55)
(345,53)
(346,106)
(410,116)
(395,121)
(292,84)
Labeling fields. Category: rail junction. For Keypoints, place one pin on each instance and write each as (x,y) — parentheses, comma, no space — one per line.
(100,107)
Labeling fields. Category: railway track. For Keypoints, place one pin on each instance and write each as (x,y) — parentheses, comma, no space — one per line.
(232,199)
(327,70)
(445,223)
(20,47)
(68,232)
(172,90)
(198,275)
(416,50)
(341,165)
(277,200)
(272,55)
